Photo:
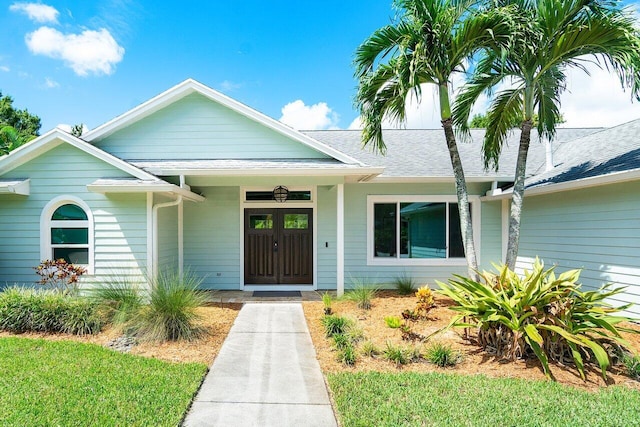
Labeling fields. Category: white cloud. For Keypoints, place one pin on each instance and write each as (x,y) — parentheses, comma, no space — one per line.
(228,86)
(5,68)
(37,12)
(49,83)
(597,100)
(309,117)
(91,51)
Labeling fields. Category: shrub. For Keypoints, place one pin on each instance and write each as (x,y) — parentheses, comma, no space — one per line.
(59,275)
(23,310)
(335,325)
(442,355)
(171,314)
(362,293)
(394,322)
(425,301)
(405,285)
(326,302)
(540,313)
(632,366)
(119,298)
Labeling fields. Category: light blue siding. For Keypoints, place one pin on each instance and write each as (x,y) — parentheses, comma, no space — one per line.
(327,229)
(120,220)
(491,242)
(212,237)
(167,238)
(208,129)
(595,229)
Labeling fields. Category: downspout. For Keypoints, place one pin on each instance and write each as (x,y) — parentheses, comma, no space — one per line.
(175,202)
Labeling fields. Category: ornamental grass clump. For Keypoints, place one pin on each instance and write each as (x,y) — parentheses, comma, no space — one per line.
(120,299)
(539,313)
(172,311)
(362,293)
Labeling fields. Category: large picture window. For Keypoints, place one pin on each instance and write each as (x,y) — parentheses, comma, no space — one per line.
(67,229)
(414,229)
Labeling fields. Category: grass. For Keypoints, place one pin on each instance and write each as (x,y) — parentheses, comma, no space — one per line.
(67,383)
(406,285)
(362,293)
(442,355)
(436,399)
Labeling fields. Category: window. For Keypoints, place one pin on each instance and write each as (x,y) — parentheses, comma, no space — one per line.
(267,196)
(414,230)
(67,232)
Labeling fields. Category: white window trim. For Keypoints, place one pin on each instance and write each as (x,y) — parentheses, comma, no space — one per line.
(46,248)
(475,220)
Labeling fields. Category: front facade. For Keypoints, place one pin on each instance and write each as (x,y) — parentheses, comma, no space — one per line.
(194,180)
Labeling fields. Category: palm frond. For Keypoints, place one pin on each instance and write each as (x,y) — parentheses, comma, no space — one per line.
(506,109)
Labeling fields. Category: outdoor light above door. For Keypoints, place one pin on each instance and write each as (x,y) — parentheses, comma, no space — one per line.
(280,194)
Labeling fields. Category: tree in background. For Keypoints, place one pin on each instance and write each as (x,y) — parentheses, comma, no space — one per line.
(17,127)
(552,37)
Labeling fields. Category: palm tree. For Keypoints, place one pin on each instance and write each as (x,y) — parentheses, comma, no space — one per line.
(10,139)
(430,41)
(553,36)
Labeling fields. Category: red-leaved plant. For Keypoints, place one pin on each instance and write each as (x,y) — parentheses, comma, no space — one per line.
(60,275)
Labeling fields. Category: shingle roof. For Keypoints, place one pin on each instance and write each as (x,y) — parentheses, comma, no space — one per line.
(423,152)
(611,150)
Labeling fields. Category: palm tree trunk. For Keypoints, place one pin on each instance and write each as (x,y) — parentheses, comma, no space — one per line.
(466,225)
(517,196)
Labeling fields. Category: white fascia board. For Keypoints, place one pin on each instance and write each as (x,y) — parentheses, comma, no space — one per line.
(613,178)
(21,187)
(145,188)
(54,138)
(433,179)
(268,172)
(190,86)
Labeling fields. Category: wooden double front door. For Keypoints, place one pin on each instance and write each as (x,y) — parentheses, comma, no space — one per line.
(278,246)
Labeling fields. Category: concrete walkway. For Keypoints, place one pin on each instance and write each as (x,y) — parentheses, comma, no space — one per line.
(265,375)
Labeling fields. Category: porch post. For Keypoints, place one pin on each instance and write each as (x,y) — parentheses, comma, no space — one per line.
(150,231)
(340,240)
(181,238)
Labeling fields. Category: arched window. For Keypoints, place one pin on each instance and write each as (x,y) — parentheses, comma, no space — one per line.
(67,231)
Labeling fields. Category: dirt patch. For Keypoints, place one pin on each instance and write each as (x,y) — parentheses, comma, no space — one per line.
(217,320)
(475,361)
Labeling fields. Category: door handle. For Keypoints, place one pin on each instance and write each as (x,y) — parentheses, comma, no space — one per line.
(275,246)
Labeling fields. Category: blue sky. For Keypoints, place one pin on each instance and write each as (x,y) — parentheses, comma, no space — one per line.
(89,61)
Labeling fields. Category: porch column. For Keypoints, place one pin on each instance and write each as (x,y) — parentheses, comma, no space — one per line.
(181,238)
(340,240)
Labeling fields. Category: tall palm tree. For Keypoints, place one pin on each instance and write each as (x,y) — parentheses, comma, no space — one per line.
(553,36)
(428,43)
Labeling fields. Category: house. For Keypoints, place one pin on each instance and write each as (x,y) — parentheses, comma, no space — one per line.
(194,179)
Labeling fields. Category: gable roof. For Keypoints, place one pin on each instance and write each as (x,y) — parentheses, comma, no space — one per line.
(422,154)
(190,86)
(55,137)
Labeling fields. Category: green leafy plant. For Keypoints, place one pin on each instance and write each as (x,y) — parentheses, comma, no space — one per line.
(60,275)
(394,322)
(171,314)
(23,310)
(340,341)
(119,298)
(442,355)
(398,355)
(327,300)
(335,325)
(369,349)
(540,313)
(362,293)
(632,366)
(347,355)
(405,285)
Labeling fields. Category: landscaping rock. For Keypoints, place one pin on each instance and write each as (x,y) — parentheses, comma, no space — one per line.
(122,344)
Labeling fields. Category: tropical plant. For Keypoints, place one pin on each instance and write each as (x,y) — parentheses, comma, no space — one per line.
(427,44)
(60,275)
(552,36)
(362,293)
(172,310)
(405,285)
(425,301)
(326,302)
(632,365)
(394,322)
(538,312)
(442,355)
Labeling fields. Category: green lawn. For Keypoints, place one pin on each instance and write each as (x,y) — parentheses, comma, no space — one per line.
(72,384)
(411,399)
